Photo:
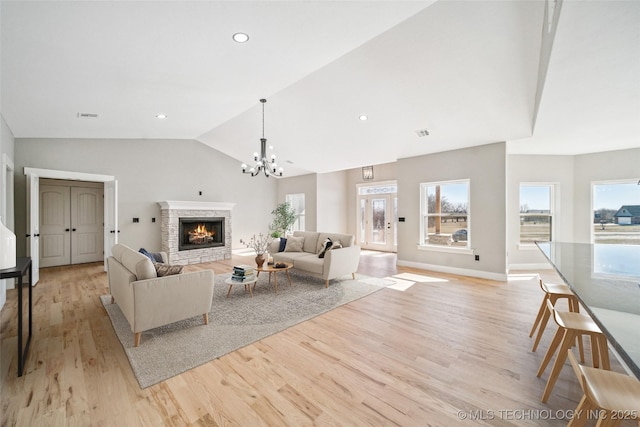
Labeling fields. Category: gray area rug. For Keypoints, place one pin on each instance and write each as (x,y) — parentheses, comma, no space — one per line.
(234,322)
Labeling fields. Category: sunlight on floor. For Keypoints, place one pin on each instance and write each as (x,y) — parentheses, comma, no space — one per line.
(399,284)
(523,277)
(419,278)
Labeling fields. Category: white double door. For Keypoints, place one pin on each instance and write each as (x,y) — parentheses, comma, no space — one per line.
(71,224)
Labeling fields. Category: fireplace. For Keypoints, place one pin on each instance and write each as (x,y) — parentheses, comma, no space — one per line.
(214,244)
(200,233)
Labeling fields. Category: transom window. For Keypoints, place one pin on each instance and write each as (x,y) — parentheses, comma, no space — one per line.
(444,209)
(536,213)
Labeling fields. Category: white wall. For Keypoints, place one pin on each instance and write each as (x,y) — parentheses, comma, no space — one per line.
(607,166)
(556,170)
(485,167)
(332,202)
(150,171)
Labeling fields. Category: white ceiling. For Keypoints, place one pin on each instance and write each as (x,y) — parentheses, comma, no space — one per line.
(468,71)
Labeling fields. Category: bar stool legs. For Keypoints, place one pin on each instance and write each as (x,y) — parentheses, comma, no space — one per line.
(572,326)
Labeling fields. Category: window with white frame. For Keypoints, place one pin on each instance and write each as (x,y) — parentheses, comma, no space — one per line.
(296,201)
(536,213)
(616,212)
(444,213)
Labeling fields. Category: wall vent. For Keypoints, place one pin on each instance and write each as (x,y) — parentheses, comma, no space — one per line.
(87,115)
(422,132)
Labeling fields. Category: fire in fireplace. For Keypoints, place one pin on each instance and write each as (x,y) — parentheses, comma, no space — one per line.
(199,233)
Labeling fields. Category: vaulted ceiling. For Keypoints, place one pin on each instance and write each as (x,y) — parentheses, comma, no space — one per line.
(470,72)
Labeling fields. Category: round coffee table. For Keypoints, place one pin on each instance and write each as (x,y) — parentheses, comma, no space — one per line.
(247,284)
(272,269)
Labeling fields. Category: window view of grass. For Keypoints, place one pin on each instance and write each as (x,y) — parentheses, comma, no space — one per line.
(616,213)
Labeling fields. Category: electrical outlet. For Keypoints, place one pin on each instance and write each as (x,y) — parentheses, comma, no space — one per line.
(153,220)
(477,257)
(136,220)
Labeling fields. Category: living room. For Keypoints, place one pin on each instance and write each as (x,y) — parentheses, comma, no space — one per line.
(603,146)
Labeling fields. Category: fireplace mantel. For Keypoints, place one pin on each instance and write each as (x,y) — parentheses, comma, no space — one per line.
(212,206)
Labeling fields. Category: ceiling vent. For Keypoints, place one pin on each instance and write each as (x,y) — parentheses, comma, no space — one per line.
(422,132)
(87,115)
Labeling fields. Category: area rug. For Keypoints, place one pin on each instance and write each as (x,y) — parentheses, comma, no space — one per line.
(234,322)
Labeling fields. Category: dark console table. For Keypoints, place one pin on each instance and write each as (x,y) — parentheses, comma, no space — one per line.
(22,266)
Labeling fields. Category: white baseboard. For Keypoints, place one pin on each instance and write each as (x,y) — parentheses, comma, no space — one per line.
(454,270)
(532,266)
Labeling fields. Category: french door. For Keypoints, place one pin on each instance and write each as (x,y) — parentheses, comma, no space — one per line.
(377,217)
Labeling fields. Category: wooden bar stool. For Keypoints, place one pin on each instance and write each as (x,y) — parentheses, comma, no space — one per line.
(615,396)
(553,293)
(572,326)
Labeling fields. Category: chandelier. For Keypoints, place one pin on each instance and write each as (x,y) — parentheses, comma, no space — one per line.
(267,166)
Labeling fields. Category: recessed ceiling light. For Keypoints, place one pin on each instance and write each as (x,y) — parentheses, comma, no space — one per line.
(161,116)
(363,117)
(240,38)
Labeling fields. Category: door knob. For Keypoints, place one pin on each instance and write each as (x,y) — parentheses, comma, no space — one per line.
(66,229)
(73,229)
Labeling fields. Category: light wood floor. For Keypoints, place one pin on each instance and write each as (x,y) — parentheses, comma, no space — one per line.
(408,358)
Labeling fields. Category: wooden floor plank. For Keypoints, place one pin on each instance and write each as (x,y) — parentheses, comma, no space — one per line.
(449,348)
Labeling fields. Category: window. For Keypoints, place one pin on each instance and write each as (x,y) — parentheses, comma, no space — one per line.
(296,201)
(536,213)
(616,212)
(444,212)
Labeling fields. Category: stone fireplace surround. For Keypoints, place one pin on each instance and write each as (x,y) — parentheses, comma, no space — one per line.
(172,211)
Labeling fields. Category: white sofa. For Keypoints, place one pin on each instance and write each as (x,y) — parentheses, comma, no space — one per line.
(336,262)
(149,301)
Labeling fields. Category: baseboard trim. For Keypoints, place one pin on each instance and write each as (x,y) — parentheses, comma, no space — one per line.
(532,266)
(454,270)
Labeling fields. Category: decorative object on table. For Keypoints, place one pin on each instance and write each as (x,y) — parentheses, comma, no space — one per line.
(260,244)
(283,218)
(243,273)
(280,265)
(367,172)
(7,247)
(269,167)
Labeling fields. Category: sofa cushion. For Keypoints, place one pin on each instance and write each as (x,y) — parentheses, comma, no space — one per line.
(289,257)
(294,244)
(167,270)
(310,263)
(135,262)
(283,244)
(310,240)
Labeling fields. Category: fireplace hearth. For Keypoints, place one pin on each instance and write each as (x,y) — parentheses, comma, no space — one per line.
(200,233)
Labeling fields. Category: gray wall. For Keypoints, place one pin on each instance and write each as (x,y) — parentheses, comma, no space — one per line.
(332,200)
(307,184)
(485,167)
(589,168)
(557,170)
(150,171)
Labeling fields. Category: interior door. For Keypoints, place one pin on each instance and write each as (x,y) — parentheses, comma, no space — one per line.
(378,222)
(110,218)
(33,225)
(87,214)
(55,225)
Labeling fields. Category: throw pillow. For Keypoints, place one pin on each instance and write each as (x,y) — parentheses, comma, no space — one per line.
(336,245)
(283,244)
(144,252)
(294,244)
(167,270)
(325,247)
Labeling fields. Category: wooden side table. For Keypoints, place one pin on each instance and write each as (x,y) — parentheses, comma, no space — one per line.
(22,266)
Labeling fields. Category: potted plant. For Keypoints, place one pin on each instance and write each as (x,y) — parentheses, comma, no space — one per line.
(283,218)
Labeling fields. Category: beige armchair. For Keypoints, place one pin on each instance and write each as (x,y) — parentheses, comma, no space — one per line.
(148,301)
